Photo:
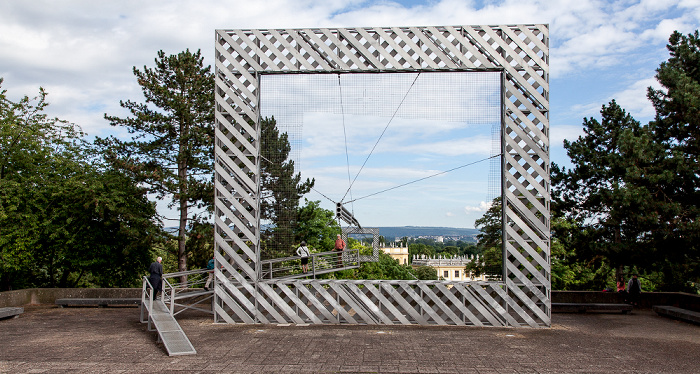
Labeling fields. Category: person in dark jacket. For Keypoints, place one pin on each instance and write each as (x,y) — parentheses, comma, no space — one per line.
(156,277)
(634,290)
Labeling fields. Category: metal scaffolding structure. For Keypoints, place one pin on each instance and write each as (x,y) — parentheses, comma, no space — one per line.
(519,52)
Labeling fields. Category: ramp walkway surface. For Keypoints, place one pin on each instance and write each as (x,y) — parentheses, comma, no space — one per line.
(160,318)
(169,331)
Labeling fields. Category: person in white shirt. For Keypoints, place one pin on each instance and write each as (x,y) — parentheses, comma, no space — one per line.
(303,252)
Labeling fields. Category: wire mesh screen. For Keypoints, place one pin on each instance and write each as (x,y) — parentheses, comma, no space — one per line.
(397,149)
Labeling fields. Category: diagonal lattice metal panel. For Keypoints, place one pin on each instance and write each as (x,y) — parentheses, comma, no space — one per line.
(519,52)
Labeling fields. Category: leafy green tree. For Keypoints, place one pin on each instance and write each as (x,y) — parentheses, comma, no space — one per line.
(489,243)
(673,177)
(171,150)
(65,220)
(599,193)
(316,226)
(281,189)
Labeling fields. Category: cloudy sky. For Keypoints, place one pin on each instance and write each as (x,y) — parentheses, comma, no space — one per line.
(82,53)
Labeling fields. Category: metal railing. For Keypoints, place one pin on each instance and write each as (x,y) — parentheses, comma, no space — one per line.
(319,263)
(175,291)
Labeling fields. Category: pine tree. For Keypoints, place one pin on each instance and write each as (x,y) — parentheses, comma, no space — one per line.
(171,150)
(675,176)
(281,190)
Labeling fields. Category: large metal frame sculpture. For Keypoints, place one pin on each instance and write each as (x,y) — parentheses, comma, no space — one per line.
(519,52)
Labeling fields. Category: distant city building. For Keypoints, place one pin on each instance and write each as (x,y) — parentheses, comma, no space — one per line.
(449,268)
(397,253)
(439,239)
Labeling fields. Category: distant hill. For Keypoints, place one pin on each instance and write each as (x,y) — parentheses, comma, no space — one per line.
(401,231)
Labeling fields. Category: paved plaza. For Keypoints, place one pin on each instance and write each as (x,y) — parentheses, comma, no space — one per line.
(54,340)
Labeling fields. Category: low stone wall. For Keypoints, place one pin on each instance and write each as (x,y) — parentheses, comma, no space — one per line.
(31,296)
(646,300)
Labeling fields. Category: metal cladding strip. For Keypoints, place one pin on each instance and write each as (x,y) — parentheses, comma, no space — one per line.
(301,60)
(528,124)
(251,56)
(543,262)
(472,48)
(540,239)
(222,313)
(261,301)
(529,162)
(425,58)
(424,305)
(454,49)
(511,73)
(383,54)
(249,235)
(544,317)
(441,306)
(521,63)
(369,304)
(390,39)
(359,311)
(514,91)
(539,42)
(537,185)
(231,103)
(377,292)
(242,157)
(332,56)
(279,303)
(512,178)
(349,50)
(493,304)
(531,286)
(302,287)
(514,307)
(227,84)
(363,52)
(242,53)
(461,305)
(429,42)
(244,193)
(333,302)
(388,288)
(248,185)
(534,56)
(238,121)
(529,139)
(229,198)
(309,48)
(233,304)
(277,53)
(536,222)
(236,240)
(477,301)
(242,264)
(298,302)
(238,141)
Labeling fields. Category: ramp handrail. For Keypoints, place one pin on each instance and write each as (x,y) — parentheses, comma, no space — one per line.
(173,289)
(318,262)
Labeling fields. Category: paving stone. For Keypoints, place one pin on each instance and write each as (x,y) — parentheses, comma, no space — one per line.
(51,339)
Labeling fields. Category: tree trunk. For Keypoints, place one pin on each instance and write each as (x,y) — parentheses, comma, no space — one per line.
(182,231)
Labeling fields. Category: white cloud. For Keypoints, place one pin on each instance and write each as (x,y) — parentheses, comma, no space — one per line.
(482,207)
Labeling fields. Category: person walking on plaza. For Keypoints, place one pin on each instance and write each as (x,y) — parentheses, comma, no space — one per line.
(303,252)
(339,247)
(634,290)
(156,277)
(210,278)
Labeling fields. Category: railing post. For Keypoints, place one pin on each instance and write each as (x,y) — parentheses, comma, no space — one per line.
(313,265)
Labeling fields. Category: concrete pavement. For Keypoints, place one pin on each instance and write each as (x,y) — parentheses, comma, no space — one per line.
(54,340)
